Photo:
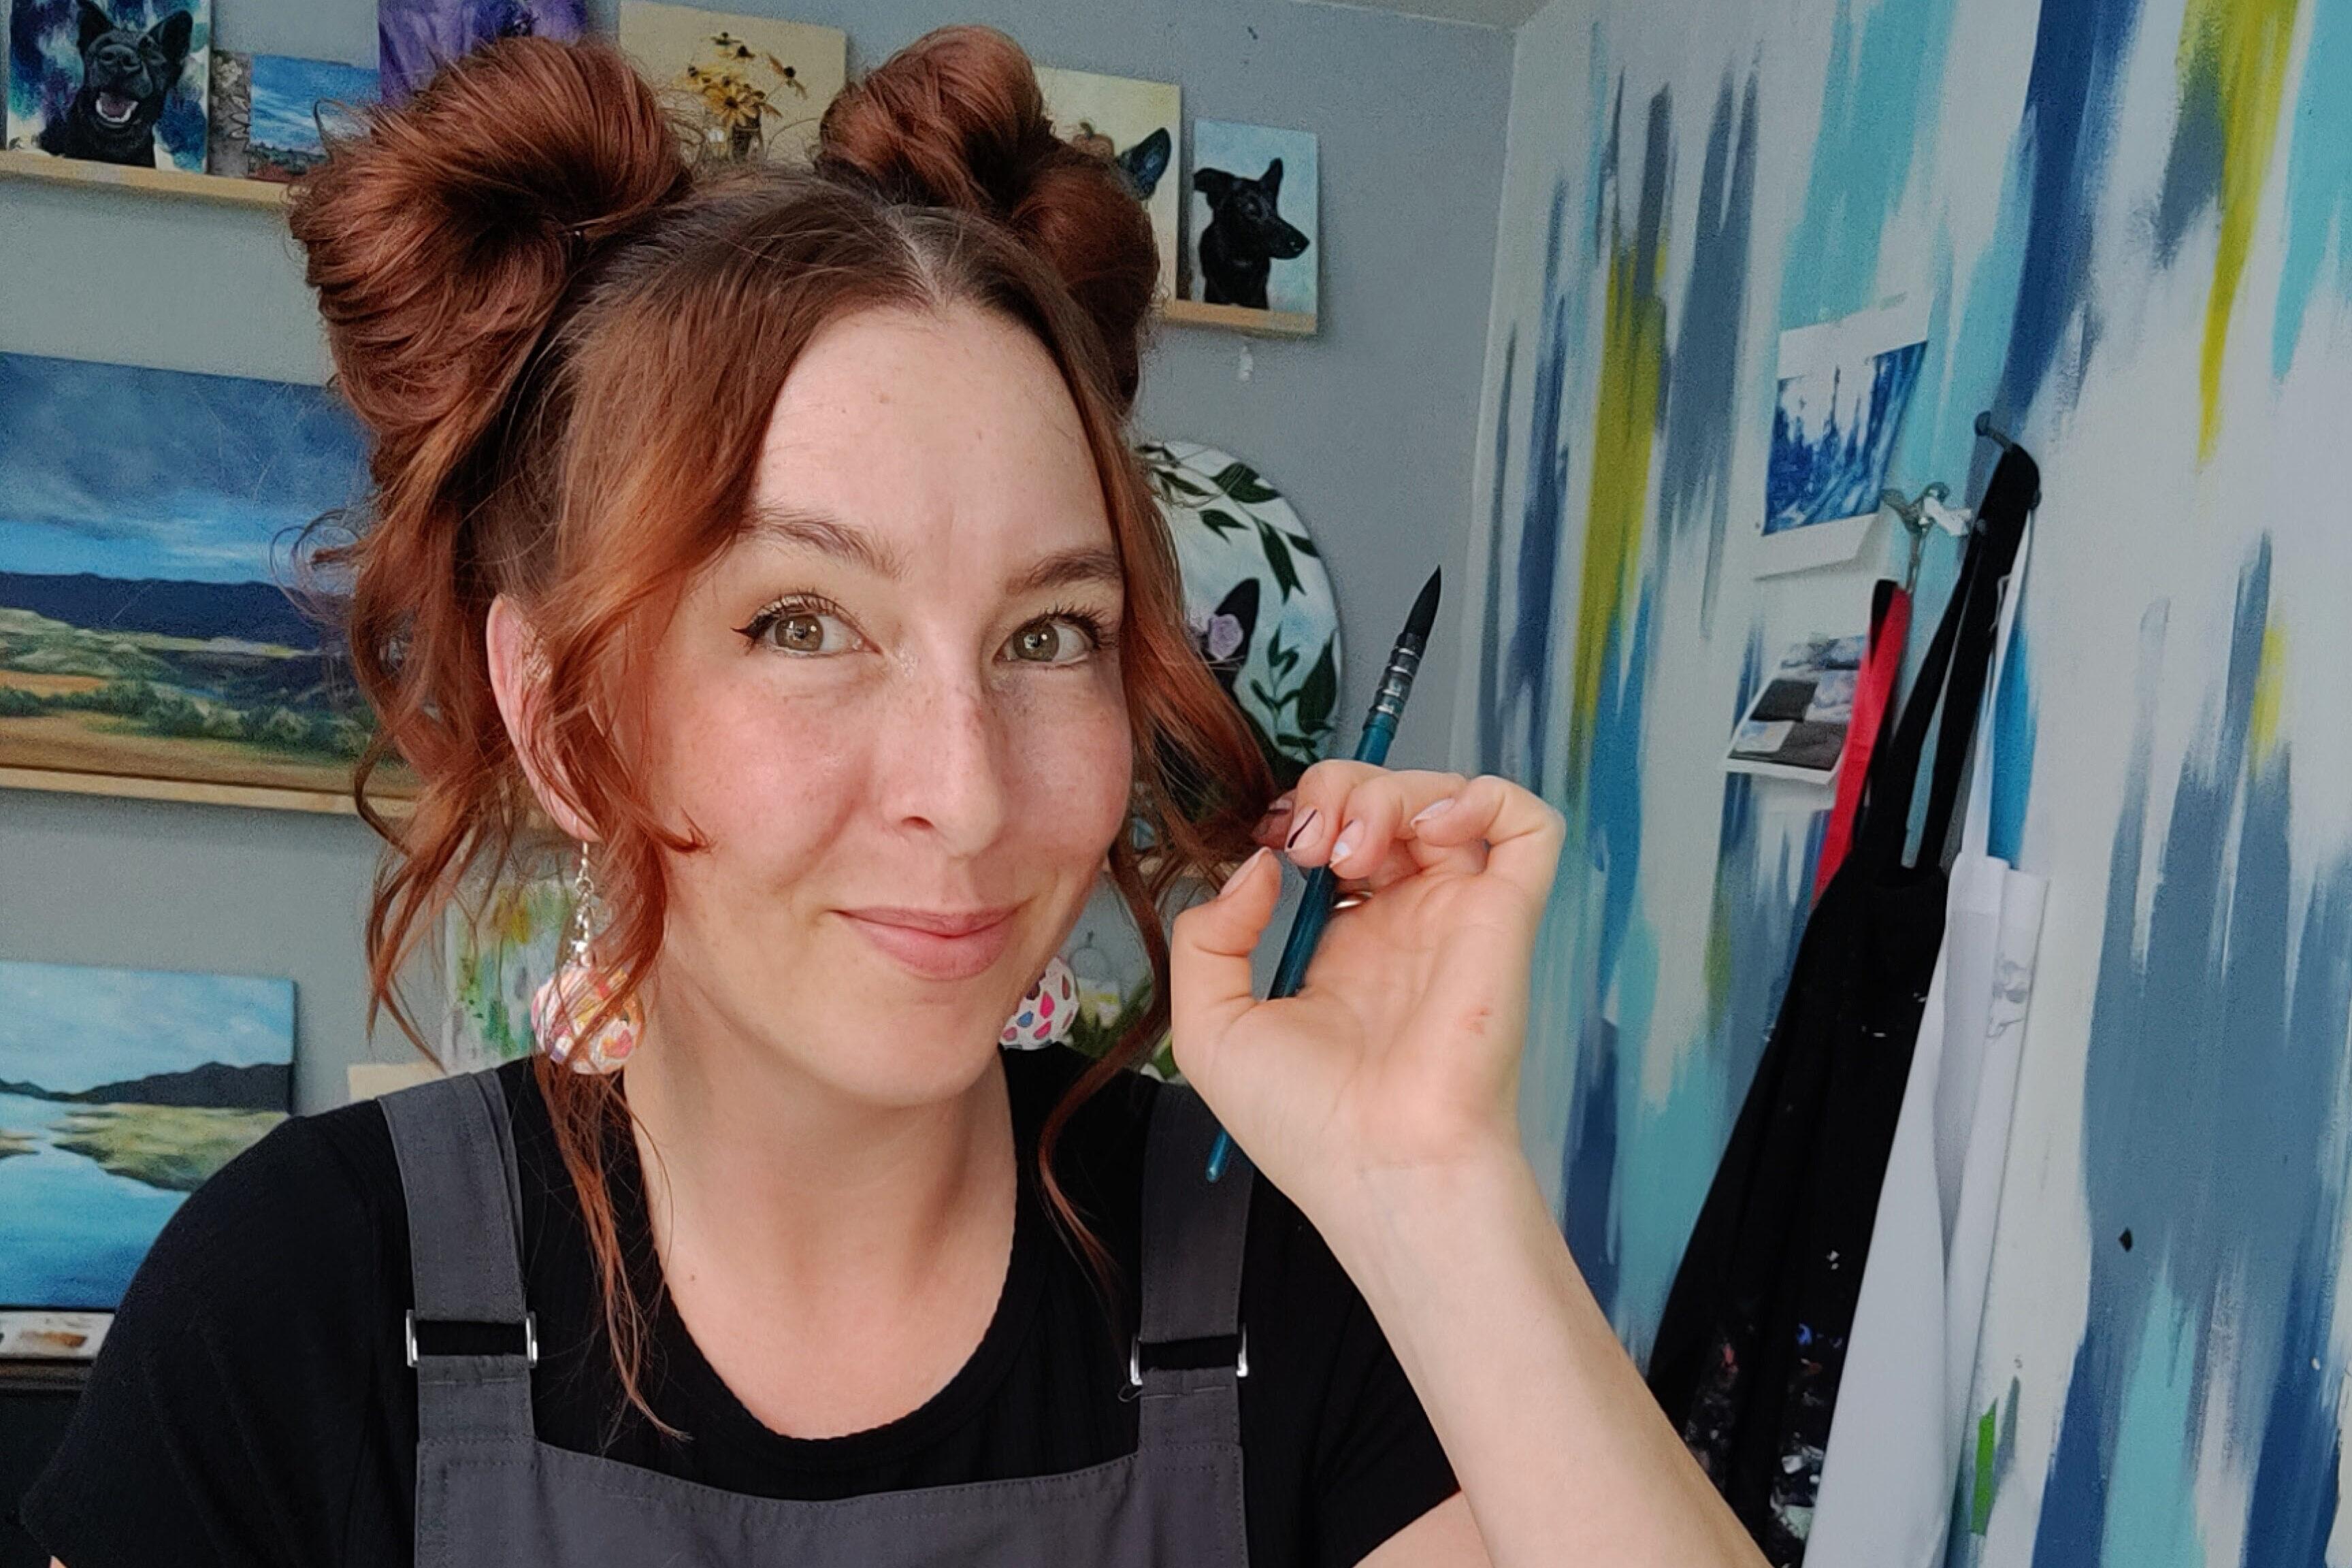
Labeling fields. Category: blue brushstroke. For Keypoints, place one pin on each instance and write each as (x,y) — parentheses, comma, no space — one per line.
(2222,1033)
(2014,733)
(2065,135)
(1871,115)
(1488,741)
(2318,178)
(1526,699)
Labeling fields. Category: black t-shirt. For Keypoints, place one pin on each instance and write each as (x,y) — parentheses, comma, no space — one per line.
(252,1404)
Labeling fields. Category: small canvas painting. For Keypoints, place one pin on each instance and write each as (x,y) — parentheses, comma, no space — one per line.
(120,1091)
(416,38)
(292,101)
(1254,217)
(229,115)
(1796,727)
(497,944)
(1843,386)
(149,525)
(749,88)
(111,81)
(1138,126)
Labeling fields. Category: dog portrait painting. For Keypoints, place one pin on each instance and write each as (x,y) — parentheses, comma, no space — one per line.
(110,82)
(1254,217)
(1136,126)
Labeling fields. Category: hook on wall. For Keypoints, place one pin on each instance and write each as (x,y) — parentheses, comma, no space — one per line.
(1913,514)
(1988,431)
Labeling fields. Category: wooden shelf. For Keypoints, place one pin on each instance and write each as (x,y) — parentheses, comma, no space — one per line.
(188,792)
(1233,318)
(21,164)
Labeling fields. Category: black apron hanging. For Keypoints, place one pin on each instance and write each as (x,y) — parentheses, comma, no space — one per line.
(1752,1343)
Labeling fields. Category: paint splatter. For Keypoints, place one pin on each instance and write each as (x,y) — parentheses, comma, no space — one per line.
(2233,65)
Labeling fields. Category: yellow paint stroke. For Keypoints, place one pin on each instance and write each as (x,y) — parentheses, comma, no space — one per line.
(2234,58)
(2270,694)
(1625,416)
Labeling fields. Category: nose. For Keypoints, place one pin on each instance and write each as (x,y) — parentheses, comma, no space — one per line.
(944,765)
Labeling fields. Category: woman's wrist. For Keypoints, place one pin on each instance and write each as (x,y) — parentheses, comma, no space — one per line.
(1390,1225)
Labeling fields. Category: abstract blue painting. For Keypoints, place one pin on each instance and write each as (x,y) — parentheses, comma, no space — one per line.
(120,1091)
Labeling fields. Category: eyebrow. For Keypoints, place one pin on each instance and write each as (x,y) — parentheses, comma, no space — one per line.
(811,530)
(1070,569)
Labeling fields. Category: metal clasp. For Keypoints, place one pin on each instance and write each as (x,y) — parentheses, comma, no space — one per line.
(529,1337)
(1135,1358)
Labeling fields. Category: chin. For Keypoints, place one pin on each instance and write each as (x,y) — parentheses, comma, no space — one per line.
(916,1053)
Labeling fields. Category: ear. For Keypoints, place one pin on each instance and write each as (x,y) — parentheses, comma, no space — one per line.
(172,34)
(93,22)
(1272,178)
(518,674)
(1213,184)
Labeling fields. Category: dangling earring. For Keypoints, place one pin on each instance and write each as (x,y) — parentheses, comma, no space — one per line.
(1045,1015)
(572,1016)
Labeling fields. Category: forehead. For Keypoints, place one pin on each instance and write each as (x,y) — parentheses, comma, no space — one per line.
(948,437)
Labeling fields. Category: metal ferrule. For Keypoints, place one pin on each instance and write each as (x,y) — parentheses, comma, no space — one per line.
(1396,681)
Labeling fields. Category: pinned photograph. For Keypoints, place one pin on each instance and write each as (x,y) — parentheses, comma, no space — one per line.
(150,526)
(1796,727)
(416,38)
(1843,387)
(750,88)
(1137,125)
(121,1090)
(1254,218)
(120,82)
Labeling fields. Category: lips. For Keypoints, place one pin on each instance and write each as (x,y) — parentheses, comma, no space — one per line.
(936,945)
(116,109)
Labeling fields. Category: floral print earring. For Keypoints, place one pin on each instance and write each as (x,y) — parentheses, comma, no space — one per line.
(572,1016)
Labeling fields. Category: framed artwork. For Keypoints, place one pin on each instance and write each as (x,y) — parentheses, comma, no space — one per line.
(1254,220)
(1137,125)
(1256,598)
(267,112)
(121,81)
(149,642)
(750,88)
(120,1091)
(416,38)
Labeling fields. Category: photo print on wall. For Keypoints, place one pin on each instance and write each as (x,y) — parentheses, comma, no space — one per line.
(120,82)
(1843,386)
(750,87)
(1254,235)
(120,1091)
(416,38)
(1137,125)
(150,525)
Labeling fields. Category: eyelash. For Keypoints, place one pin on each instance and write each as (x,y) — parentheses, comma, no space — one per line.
(1099,633)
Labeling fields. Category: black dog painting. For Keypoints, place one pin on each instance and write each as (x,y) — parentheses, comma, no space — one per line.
(1134,126)
(121,81)
(1254,217)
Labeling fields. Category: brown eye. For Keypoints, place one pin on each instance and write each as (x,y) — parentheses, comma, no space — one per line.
(801,633)
(801,629)
(1055,640)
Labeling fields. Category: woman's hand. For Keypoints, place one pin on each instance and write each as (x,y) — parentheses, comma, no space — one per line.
(1400,1052)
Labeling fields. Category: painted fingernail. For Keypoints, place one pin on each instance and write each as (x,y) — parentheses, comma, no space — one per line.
(1241,871)
(1342,850)
(1433,810)
(1299,832)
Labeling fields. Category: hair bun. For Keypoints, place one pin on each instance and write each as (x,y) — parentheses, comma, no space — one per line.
(956,119)
(443,237)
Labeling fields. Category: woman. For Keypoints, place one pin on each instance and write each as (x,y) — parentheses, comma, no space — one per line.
(774,538)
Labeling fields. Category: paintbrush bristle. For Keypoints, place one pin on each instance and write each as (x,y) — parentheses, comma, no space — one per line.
(1424,609)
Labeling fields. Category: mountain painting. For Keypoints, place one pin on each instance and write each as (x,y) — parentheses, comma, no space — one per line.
(120,1091)
(154,619)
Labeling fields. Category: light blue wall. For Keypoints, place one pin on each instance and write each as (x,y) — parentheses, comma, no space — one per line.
(1369,427)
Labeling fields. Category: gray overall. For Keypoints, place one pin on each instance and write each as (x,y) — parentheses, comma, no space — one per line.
(489,1493)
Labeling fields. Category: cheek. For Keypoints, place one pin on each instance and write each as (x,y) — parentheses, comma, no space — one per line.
(1073,761)
(762,781)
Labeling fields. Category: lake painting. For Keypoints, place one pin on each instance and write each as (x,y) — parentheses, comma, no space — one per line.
(149,525)
(120,1090)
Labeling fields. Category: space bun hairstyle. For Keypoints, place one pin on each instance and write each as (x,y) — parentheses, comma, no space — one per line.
(567,341)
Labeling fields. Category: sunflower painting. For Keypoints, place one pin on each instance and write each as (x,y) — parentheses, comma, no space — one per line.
(748,87)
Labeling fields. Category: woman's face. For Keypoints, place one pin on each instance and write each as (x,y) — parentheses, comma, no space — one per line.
(892,709)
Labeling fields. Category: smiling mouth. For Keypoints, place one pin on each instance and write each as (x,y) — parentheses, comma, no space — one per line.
(115,109)
(936,945)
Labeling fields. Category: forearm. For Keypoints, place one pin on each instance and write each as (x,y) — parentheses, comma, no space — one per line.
(1562,1453)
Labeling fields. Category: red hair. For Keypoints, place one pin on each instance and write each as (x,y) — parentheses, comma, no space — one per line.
(567,345)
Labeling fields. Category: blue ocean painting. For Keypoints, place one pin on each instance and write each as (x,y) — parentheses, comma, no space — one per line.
(416,38)
(290,99)
(1832,432)
(44,72)
(149,526)
(120,1091)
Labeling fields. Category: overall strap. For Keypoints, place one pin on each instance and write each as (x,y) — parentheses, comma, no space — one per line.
(470,1337)
(1194,1347)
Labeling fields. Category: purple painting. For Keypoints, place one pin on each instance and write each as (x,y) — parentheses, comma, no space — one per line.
(417,38)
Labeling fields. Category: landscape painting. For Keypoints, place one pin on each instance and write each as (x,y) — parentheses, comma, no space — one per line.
(149,530)
(120,1091)
(289,101)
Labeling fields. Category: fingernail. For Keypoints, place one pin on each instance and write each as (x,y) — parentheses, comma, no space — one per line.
(1241,871)
(1348,837)
(1433,810)
(1299,832)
